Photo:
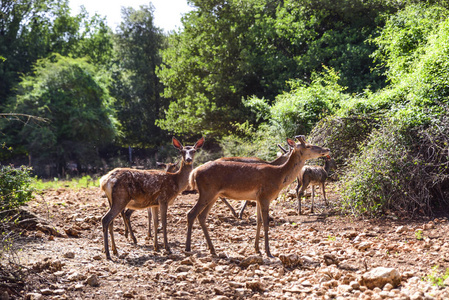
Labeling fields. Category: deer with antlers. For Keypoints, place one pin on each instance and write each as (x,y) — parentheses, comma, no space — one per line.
(140,189)
(246,181)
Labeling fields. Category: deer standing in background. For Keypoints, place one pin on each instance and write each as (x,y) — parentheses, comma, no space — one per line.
(314,175)
(140,189)
(245,181)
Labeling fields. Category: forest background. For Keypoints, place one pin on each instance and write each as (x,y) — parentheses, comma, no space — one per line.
(367,78)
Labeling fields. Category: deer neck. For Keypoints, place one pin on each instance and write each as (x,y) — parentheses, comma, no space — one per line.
(182,176)
(291,168)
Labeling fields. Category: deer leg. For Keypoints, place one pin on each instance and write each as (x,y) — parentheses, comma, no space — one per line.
(149,222)
(230,206)
(242,209)
(324,194)
(163,207)
(126,215)
(126,224)
(300,188)
(193,213)
(202,220)
(313,197)
(259,224)
(107,222)
(264,207)
(155,213)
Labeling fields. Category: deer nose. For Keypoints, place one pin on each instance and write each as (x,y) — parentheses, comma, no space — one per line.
(188,159)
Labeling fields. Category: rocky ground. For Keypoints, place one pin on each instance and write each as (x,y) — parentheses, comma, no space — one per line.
(317,256)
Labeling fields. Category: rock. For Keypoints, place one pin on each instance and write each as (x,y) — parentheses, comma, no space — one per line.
(290,260)
(235,284)
(401,229)
(255,259)
(187,261)
(97,257)
(92,280)
(72,232)
(4,295)
(182,269)
(46,292)
(255,286)
(69,254)
(355,285)
(48,264)
(330,259)
(49,230)
(76,277)
(33,296)
(379,277)
(364,245)
(59,292)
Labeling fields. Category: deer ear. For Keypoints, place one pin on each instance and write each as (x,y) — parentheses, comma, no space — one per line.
(301,139)
(291,143)
(177,144)
(199,143)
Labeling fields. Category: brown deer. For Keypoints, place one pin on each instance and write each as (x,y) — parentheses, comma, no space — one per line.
(167,167)
(281,159)
(245,181)
(314,175)
(140,189)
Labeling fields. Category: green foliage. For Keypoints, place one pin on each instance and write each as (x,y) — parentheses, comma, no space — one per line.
(418,234)
(297,111)
(15,187)
(74,183)
(402,167)
(136,87)
(403,36)
(249,142)
(31,30)
(72,95)
(232,50)
(436,278)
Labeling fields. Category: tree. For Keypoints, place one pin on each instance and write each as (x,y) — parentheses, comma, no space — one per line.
(33,29)
(72,95)
(136,86)
(231,50)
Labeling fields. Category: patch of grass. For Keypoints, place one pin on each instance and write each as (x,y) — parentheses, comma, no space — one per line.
(331,238)
(435,278)
(74,183)
(418,235)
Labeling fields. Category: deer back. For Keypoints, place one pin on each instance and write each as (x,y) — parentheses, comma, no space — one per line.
(143,188)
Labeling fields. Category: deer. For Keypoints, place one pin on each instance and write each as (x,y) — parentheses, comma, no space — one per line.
(246,181)
(314,175)
(141,189)
(282,158)
(126,215)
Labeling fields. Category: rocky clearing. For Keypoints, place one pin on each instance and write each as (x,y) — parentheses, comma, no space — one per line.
(317,256)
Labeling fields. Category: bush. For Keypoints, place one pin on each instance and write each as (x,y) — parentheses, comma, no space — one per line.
(15,187)
(404,167)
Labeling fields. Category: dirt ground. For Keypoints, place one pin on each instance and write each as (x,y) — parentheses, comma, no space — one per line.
(62,254)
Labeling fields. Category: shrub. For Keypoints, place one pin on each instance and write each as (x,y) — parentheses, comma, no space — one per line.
(404,167)
(15,189)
